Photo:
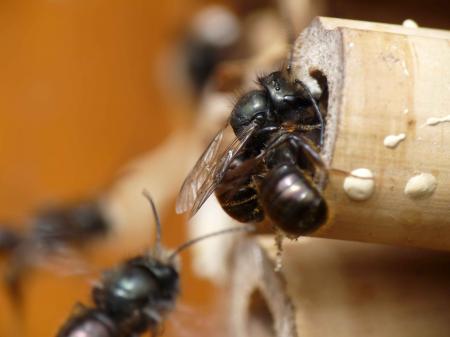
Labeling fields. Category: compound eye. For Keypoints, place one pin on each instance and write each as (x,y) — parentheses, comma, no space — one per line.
(259,117)
(251,106)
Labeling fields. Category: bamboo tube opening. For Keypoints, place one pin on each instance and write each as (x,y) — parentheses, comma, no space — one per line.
(259,303)
(260,317)
(322,81)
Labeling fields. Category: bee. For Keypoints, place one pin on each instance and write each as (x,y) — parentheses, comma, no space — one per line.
(212,37)
(272,167)
(135,296)
(53,231)
(9,240)
(74,224)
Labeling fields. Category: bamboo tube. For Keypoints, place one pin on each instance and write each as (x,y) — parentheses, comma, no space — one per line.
(384,80)
(339,288)
(259,303)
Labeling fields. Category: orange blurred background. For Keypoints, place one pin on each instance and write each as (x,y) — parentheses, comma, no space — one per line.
(79,97)
(79,93)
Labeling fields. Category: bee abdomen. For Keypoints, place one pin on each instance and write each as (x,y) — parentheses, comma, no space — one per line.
(292,202)
(241,203)
(90,323)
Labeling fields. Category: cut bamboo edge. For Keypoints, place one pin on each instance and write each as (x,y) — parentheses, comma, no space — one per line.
(338,288)
(384,80)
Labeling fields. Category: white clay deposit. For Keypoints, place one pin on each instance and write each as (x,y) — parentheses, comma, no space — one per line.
(392,141)
(409,23)
(360,184)
(421,186)
(437,120)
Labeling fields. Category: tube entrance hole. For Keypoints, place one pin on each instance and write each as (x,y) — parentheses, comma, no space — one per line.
(260,317)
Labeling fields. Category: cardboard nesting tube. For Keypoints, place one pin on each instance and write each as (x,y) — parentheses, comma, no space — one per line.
(383,80)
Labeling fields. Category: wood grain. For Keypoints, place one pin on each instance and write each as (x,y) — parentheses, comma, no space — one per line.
(339,288)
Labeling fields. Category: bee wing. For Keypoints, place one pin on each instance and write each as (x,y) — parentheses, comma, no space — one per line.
(62,260)
(217,170)
(198,175)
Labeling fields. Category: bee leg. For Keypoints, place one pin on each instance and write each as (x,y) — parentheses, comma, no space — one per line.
(15,274)
(153,315)
(279,140)
(309,127)
(300,142)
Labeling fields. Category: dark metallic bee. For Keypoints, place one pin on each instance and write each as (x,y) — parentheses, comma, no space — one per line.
(135,296)
(52,231)
(212,38)
(9,240)
(72,224)
(55,226)
(272,167)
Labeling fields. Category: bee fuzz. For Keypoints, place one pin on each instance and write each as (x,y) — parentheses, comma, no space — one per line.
(359,185)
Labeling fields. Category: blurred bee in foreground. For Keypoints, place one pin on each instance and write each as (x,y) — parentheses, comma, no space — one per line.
(212,38)
(53,232)
(9,240)
(272,166)
(135,296)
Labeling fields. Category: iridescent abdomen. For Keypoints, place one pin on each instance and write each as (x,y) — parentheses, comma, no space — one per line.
(292,202)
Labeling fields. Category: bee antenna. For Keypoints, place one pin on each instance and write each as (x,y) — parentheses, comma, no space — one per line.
(248,228)
(157,220)
(316,108)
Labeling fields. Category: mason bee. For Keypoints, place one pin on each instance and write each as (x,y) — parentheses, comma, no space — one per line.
(53,232)
(9,240)
(272,167)
(135,296)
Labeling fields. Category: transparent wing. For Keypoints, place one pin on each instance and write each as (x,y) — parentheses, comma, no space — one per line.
(61,261)
(209,170)
(198,175)
(220,167)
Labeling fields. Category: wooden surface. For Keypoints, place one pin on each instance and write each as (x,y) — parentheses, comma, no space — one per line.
(259,303)
(383,80)
(339,288)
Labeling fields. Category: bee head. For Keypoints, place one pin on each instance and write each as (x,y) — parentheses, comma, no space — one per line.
(254,104)
(283,92)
